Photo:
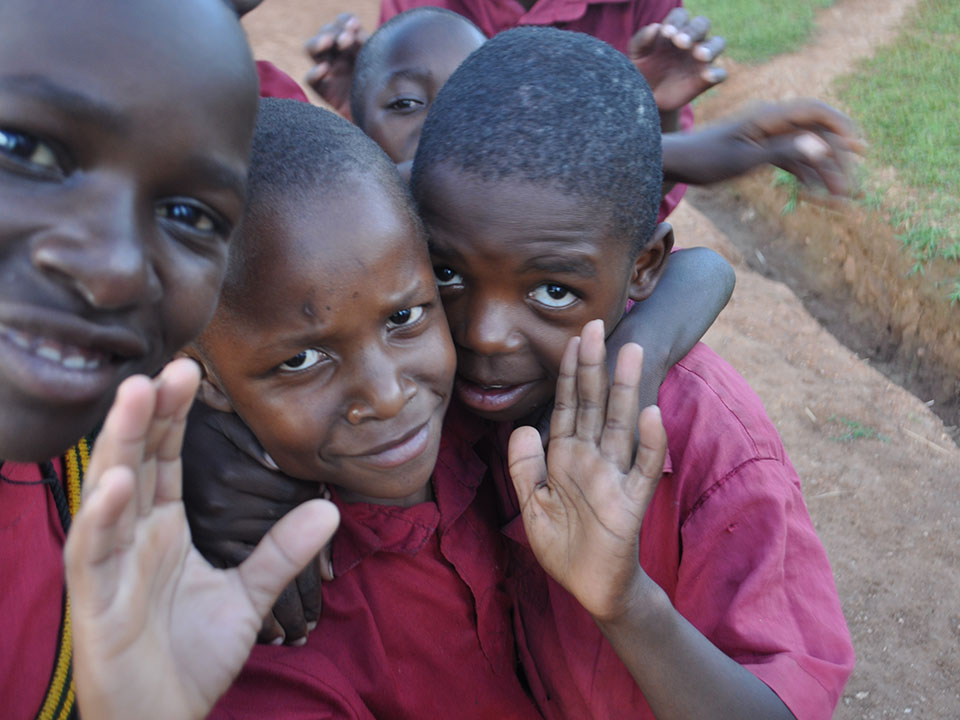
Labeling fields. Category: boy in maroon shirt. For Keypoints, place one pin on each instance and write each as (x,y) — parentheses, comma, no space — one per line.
(532,232)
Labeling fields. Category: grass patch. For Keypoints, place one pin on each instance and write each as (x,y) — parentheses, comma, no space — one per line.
(855,430)
(905,100)
(756,31)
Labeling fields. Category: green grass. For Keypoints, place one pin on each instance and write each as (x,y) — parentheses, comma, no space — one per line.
(756,30)
(855,430)
(906,100)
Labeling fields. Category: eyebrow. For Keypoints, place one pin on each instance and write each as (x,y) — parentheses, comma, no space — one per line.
(419,72)
(211,171)
(566,264)
(85,107)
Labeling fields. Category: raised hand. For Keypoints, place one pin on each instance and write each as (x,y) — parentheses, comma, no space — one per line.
(157,631)
(583,505)
(334,51)
(676,58)
(808,138)
(234,494)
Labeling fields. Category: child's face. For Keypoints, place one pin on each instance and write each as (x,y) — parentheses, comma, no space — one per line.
(340,359)
(521,269)
(420,58)
(124,133)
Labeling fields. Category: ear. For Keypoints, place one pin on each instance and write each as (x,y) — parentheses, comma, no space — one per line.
(651,263)
(210,392)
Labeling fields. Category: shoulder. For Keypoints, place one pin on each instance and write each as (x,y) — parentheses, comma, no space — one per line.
(716,426)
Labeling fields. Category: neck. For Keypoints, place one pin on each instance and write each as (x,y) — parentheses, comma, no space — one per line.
(424,494)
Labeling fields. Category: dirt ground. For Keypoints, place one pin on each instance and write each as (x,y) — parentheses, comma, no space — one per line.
(881,472)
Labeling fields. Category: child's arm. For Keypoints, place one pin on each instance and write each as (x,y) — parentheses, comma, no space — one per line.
(157,631)
(694,288)
(334,51)
(676,58)
(583,509)
(805,137)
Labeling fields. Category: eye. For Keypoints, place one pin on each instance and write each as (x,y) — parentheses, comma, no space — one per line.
(446,276)
(405,317)
(27,150)
(192,215)
(302,360)
(553,295)
(404,105)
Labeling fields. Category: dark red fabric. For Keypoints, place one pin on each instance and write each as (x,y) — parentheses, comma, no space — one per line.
(727,536)
(417,623)
(31,589)
(612,21)
(275,83)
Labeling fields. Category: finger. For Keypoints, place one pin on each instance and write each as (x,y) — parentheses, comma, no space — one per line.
(325,563)
(96,534)
(528,468)
(713,75)
(179,382)
(693,32)
(286,549)
(563,423)
(240,436)
(623,408)
(644,39)
(672,23)
(592,382)
(651,452)
(709,50)
(271,632)
(317,74)
(308,587)
(288,612)
(322,42)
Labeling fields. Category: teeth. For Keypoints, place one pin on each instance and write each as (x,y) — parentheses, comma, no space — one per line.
(70,358)
(48,353)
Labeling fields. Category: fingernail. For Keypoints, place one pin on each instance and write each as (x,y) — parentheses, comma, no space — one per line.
(299,642)
(668,30)
(270,462)
(311,626)
(811,147)
(277,641)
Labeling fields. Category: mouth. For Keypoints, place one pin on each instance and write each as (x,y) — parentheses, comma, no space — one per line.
(490,397)
(400,451)
(62,359)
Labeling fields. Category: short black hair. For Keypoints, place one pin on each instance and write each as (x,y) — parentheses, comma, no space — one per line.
(370,57)
(300,150)
(552,107)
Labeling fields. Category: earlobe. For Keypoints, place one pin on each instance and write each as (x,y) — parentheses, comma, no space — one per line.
(651,263)
(209,393)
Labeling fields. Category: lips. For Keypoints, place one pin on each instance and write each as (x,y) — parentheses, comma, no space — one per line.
(60,358)
(490,397)
(400,451)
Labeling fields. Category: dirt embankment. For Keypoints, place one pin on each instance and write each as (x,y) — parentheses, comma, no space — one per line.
(846,264)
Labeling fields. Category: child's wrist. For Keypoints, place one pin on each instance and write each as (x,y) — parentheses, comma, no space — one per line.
(643,605)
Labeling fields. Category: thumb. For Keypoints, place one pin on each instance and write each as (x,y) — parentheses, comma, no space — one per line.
(285,551)
(528,469)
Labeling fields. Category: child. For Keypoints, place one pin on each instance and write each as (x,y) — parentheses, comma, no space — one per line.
(403,65)
(119,197)
(331,344)
(536,223)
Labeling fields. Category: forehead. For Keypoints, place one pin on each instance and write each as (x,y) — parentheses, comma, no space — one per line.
(435,43)
(516,216)
(330,248)
(132,54)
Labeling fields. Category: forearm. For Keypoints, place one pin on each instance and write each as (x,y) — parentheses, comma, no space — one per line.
(709,155)
(695,287)
(680,672)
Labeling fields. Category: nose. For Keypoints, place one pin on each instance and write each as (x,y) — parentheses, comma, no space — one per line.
(100,249)
(487,327)
(381,387)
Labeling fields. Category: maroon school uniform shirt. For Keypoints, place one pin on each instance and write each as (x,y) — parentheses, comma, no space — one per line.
(612,21)
(727,536)
(31,588)
(417,623)
(275,83)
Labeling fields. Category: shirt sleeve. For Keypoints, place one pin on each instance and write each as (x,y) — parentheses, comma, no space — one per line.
(755,579)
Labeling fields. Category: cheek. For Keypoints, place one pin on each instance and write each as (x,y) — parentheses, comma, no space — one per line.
(291,427)
(191,288)
(439,363)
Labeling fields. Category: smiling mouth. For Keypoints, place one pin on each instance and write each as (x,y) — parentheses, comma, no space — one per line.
(398,452)
(67,356)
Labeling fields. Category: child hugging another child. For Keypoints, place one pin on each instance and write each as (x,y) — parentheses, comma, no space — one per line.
(706,595)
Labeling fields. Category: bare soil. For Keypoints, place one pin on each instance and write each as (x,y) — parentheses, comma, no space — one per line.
(881,471)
